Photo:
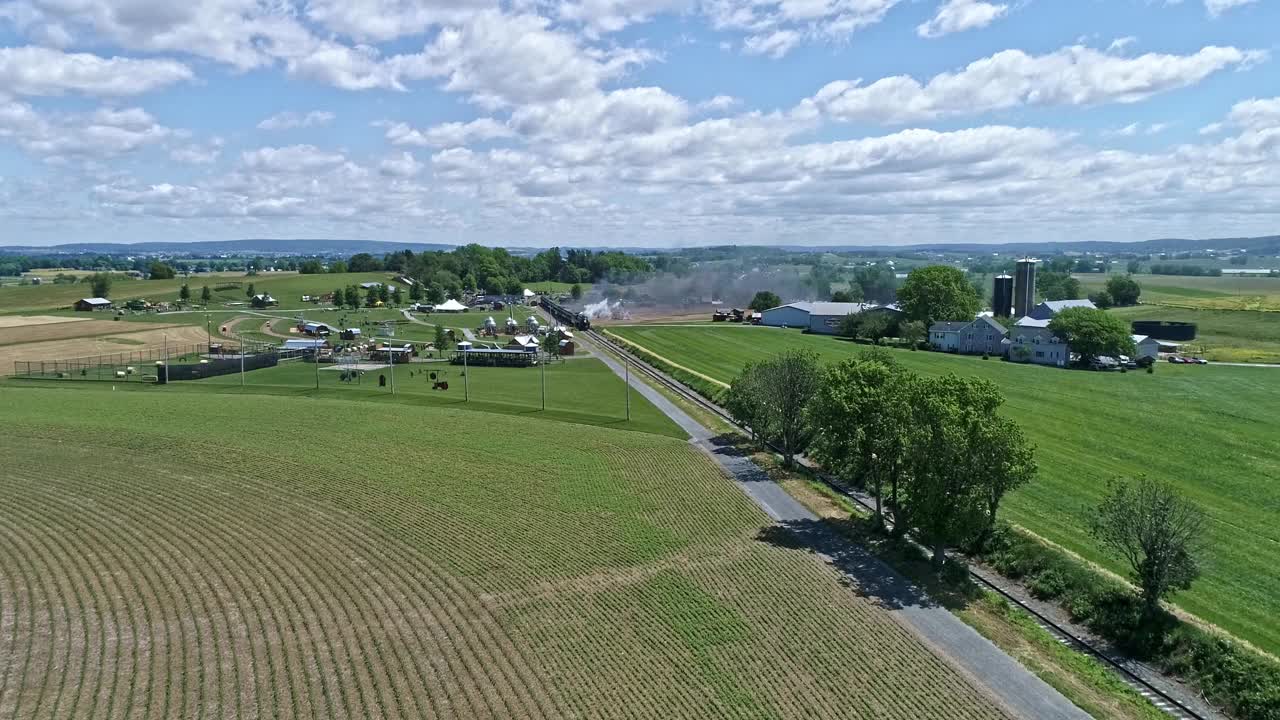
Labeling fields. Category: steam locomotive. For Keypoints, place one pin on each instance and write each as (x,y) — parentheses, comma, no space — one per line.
(564,315)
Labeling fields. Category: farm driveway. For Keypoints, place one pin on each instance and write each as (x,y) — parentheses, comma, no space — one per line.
(1013,685)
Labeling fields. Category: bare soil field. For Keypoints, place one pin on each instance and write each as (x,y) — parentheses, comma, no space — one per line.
(65,331)
(76,347)
(13,321)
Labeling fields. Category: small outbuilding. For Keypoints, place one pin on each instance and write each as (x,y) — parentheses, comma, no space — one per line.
(92,304)
(527,343)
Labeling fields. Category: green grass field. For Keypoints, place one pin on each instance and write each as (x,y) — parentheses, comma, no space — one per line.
(171,554)
(1208,293)
(1213,431)
(288,288)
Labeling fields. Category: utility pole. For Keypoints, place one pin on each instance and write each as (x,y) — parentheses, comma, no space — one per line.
(544,384)
(166,358)
(466,377)
(208,336)
(626,362)
(240,340)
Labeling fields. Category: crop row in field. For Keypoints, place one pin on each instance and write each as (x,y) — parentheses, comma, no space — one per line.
(162,561)
(1210,430)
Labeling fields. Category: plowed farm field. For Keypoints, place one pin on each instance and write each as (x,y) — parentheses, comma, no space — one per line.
(91,339)
(255,556)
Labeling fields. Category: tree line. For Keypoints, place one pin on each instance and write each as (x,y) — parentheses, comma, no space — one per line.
(938,459)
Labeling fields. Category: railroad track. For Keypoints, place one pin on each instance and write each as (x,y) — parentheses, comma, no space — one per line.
(1159,698)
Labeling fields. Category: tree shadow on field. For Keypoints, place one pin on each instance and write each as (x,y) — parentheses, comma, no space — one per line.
(863,571)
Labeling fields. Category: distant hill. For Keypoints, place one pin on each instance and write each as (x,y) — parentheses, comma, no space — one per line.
(1268,245)
(230,247)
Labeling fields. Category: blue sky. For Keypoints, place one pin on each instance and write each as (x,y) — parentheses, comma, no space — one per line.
(638,122)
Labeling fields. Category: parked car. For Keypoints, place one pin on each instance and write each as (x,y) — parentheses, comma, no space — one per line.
(1126,361)
(1146,361)
(1196,360)
(1175,360)
(1104,363)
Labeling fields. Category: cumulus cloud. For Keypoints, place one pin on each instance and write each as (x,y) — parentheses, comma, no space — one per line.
(959,15)
(404,165)
(291,159)
(1217,7)
(43,71)
(101,134)
(503,60)
(1074,75)
(775,28)
(448,134)
(289,120)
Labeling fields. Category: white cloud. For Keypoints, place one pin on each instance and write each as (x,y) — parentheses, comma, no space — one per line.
(960,15)
(1256,114)
(382,20)
(405,165)
(291,159)
(289,120)
(504,60)
(42,71)
(448,134)
(775,44)
(1074,75)
(719,103)
(1217,7)
(775,28)
(101,134)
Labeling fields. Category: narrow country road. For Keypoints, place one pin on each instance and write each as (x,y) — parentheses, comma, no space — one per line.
(1016,688)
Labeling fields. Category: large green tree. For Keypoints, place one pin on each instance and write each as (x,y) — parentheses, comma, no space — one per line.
(781,389)
(100,283)
(861,420)
(1058,286)
(764,300)
(938,293)
(184,293)
(206,295)
(947,497)
(160,271)
(1157,532)
(1092,333)
(1124,289)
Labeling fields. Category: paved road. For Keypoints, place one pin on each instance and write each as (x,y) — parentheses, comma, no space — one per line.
(1015,688)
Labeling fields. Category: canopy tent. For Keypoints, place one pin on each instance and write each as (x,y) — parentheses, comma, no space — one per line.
(451,305)
(528,293)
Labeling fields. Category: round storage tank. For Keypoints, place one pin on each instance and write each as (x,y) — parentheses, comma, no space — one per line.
(1165,329)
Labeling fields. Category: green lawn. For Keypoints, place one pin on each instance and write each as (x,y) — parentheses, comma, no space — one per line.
(1213,431)
(1223,335)
(172,554)
(288,288)
(1211,293)
(581,390)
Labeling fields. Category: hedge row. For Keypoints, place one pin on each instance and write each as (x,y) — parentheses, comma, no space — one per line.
(1245,683)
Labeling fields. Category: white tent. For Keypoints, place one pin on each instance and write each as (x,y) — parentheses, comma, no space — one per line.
(451,305)
(528,293)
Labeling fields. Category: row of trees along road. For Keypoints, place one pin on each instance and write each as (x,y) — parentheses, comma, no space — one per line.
(936,456)
(933,449)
